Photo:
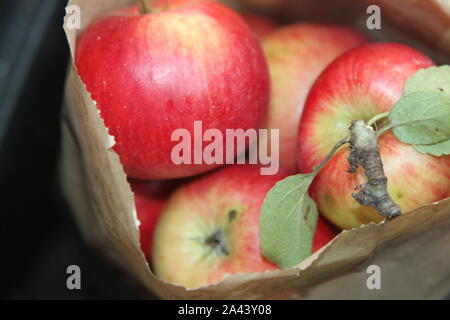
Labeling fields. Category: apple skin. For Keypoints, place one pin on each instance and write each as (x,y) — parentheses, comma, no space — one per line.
(151,74)
(150,197)
(203,207)
(325,232)
(259,24)
(361,84)
(296,55)
(199,209)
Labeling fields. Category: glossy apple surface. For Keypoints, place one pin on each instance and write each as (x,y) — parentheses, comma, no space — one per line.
(153,73)
(296,55)
(361,84)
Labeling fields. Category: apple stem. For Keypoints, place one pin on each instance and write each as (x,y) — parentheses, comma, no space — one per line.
(331,154)
(143,7)
(377,118)
(364,152)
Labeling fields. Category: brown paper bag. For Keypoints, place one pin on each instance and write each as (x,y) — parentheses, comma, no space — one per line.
(411,251)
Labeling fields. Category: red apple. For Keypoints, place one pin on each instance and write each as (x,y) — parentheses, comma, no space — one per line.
(325,232)
(153,73)
(361,84)
(259,24)
(296,55)
(150,198)
(210,228)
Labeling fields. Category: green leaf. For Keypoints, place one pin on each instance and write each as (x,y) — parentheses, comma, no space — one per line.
(438,149)
(421,118)
(436,79)
(288,221)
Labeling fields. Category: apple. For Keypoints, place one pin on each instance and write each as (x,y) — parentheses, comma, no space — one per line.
(259,24)
(210,228)
(325,232)
(152,73)
(150,198)
(361,84)
(296,55)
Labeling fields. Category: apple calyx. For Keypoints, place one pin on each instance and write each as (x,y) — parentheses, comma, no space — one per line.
(364,152)
(217,241)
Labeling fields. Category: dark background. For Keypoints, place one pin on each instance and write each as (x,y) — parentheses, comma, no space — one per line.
(38,236)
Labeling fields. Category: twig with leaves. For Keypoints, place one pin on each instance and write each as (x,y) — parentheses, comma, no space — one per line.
(421,118)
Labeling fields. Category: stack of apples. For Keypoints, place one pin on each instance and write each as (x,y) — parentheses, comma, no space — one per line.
(159,66)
